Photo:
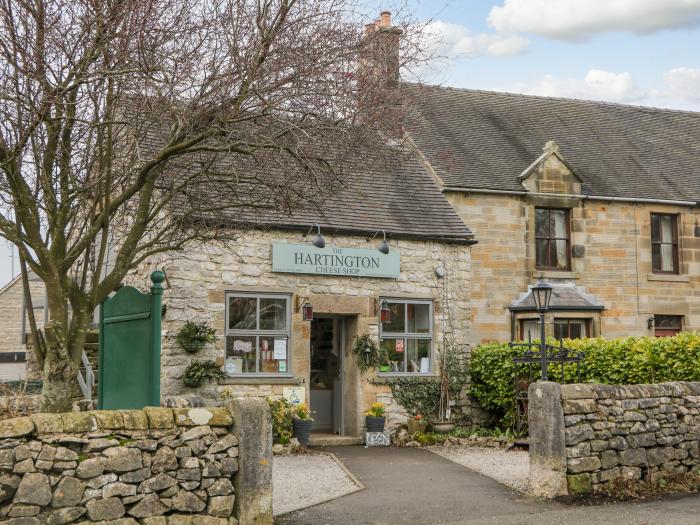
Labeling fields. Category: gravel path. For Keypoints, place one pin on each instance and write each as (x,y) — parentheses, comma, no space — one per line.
(510,468)
(299,481)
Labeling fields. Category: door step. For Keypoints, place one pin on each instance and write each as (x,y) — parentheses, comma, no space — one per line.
(331,440)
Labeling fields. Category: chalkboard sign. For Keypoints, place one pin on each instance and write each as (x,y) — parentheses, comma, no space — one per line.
(377,439)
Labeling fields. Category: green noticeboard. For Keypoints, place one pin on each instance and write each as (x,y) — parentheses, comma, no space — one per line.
(331,260)
(130,326)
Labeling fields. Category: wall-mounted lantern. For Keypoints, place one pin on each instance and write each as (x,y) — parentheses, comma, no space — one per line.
(318,239)
(383,246)
(307,309)
(384,311)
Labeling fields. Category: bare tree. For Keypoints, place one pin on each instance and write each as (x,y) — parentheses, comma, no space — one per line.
(135,127)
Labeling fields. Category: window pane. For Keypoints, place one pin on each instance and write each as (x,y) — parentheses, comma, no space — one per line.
(418,355)
(666,228)
(240,354)
(395,350)
(242,313)
(542,257)
(397,323)
(561,256)
(418,318)
(560,330)
(559,223)
(668,321)
(655,228)
(667,258)
(273,314)
(656,257)
(576,330)
(269,358)
(541,222)
(530,329)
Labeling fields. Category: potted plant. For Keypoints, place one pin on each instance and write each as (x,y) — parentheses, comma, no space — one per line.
(301,423)
(199,371)
(374,418)
(369,355)
(452,371)
(416,423)
(192,337)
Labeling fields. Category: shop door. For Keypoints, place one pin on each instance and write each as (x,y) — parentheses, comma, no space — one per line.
(325,380)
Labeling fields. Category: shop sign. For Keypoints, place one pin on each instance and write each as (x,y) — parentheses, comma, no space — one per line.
(331,260)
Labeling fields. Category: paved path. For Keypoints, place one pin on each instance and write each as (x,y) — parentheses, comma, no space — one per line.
(415,486)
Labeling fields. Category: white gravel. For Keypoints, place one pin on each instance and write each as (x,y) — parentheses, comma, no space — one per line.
(511,468)
(299,481)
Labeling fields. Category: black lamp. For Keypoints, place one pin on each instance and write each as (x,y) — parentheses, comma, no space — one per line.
(318,239)
(542,295)
(384,312)
(383,246)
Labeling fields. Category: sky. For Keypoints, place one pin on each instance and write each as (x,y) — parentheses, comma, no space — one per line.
(643,52)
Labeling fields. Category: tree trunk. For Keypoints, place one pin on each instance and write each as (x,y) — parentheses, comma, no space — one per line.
(60,368)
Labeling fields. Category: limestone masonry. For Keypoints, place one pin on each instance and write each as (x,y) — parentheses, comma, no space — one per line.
(146,466)
(636,432)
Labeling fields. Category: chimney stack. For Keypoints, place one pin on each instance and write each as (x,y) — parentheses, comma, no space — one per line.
(379,55)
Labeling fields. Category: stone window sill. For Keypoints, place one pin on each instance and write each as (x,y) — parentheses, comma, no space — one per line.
(553,274)
(668,277)
(262,380)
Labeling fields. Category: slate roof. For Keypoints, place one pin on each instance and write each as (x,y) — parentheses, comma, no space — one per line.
(564,297)
(479,139)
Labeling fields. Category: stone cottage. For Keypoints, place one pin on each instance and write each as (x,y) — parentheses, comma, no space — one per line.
(600,200)
(388,257)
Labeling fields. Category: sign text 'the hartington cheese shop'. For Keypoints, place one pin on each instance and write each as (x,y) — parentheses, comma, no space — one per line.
(331,260)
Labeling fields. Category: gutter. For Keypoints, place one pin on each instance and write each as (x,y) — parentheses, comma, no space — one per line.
(457,189)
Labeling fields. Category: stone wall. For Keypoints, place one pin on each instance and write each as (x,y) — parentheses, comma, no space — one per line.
(584,436)
(130,464)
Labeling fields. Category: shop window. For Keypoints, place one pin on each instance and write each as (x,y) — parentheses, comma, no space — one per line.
(552,239)
(667,325)
(664,243)
(571,328)
(257,334)
(407,337)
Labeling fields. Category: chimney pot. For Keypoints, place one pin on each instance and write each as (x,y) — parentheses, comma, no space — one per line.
(385,19)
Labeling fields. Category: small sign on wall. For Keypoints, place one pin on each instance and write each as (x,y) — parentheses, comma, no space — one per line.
(296,395)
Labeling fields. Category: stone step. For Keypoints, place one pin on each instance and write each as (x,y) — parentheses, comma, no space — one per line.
(333,440)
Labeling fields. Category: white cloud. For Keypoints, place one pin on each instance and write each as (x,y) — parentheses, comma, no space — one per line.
(450,41)
(683,83)
(596,85)
(679,88)
(578,19)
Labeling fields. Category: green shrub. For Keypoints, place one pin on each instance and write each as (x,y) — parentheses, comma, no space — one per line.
(281,420)
(629,360)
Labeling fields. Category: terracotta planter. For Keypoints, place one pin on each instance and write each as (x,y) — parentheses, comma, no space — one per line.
(375,424)
(302,430)
(442,427)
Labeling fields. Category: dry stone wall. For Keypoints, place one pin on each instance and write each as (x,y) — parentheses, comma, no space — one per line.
(635,432)
(153,466)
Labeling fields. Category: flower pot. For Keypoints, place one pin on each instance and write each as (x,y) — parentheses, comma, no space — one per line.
(302,429)
(416,425)
(374,423)
(442,427)
(192,346)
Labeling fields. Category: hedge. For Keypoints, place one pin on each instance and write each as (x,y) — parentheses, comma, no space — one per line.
(630,360)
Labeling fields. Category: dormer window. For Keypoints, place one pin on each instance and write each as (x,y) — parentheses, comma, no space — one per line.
(552,238)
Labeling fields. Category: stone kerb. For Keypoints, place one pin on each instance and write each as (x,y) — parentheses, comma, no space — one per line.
(635,432)
(154,466)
